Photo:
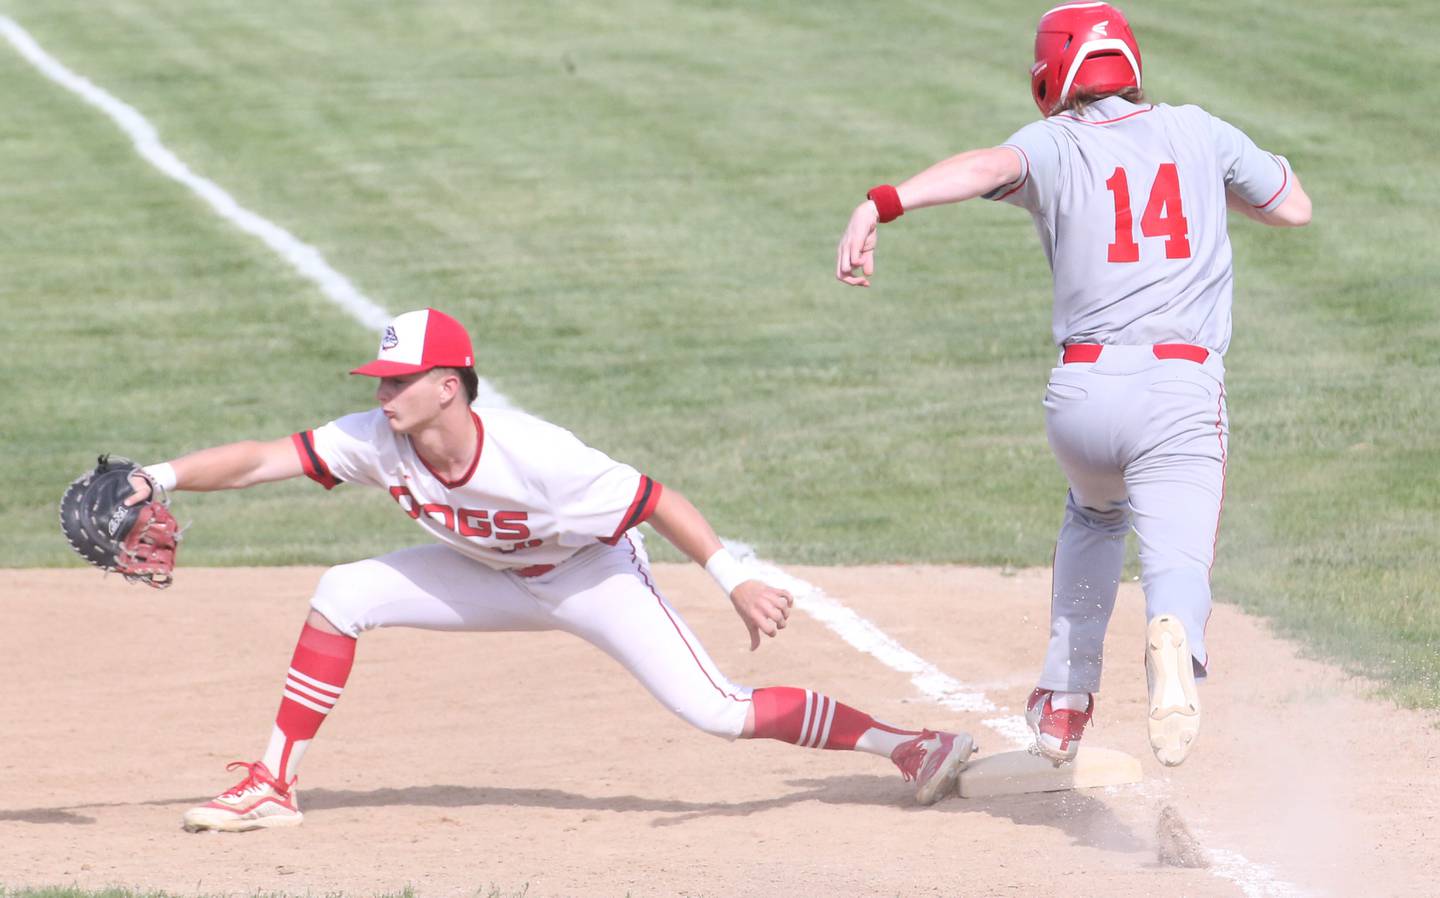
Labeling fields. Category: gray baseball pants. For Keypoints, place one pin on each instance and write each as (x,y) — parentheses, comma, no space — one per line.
(1143,442)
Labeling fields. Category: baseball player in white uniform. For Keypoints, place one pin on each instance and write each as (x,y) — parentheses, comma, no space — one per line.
(531,530)
(1129,199)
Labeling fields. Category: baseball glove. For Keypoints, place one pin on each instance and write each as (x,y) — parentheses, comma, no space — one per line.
(138,541)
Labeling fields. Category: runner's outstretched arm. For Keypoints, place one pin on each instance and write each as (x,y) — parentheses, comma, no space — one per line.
(961,177)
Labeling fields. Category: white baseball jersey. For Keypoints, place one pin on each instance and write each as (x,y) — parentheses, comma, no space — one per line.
(534,494)
(1129,201)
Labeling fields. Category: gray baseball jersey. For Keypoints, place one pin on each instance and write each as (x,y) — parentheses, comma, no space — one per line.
(1129,201)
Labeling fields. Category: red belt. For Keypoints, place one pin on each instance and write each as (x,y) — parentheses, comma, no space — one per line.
(533,570)
(1090,352)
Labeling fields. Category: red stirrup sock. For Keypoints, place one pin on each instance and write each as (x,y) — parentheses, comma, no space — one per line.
(317,676)
(802,717)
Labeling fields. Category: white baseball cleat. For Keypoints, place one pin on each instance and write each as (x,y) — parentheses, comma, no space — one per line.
(259,801)
(934,761)
(1174,701)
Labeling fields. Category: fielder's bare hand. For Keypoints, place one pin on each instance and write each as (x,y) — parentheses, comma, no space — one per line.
(857,247)
(763,608)
(141,485)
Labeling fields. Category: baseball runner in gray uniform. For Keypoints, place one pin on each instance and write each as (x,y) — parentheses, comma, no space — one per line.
(1129,199)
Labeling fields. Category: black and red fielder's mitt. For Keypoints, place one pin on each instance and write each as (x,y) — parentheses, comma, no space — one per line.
(138,541)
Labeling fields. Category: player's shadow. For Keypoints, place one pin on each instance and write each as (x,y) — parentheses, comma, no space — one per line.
(45,815)
(871,790)
(838,790)
(1086,820)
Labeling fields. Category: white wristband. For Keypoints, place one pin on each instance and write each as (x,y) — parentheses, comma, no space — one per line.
(727,570)
(163,474)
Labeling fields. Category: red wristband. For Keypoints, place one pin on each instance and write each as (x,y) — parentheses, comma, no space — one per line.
(887,202)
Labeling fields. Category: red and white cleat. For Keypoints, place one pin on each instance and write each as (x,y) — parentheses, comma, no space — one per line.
(259,801)
(934,761)
(1057,730)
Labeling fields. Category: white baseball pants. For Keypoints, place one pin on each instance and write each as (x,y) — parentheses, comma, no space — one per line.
(603,594)
(1143,443)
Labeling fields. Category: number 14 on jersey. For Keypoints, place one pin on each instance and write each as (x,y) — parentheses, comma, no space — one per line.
(1163,217)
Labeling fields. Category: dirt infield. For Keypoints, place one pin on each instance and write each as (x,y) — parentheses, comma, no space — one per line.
(458,762)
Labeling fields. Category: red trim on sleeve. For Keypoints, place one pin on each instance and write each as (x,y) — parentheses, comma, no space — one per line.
(310,460)
(647,496)
(1284,180)
(1026,177)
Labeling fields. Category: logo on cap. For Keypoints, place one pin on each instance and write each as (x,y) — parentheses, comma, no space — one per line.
(389,341)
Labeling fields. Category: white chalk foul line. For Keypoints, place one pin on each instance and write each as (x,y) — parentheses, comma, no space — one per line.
(304,258)
(1254,880)
(865,636)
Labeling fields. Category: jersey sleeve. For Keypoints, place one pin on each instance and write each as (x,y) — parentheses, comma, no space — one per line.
(1039,154)
(1259,178)
(342,451)
(593,496)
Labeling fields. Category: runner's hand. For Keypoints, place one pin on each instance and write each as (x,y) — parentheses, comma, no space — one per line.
(857,246)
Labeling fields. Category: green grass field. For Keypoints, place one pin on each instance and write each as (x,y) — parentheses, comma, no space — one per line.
(634,205)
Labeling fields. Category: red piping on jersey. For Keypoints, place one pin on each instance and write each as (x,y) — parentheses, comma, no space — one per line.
(1215,545)
(645,576)
(1219,432)
(310,461)
(1107,121)
(1026,157)
(1284,179)
(474,462)
(647,496)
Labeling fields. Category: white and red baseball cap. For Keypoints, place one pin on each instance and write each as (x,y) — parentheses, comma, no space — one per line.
(418,341)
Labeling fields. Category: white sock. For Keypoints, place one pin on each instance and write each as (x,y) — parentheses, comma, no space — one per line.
(1070,701)
(282,756)
(882,740)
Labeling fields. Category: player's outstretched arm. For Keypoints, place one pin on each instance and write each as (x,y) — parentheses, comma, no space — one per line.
(959,178)
(227,467)
(762,607)
(1293,212)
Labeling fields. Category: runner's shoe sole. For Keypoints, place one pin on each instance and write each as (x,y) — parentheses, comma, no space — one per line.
(1174,721)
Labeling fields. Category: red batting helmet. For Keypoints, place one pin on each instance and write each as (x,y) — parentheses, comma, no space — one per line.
(1082,45)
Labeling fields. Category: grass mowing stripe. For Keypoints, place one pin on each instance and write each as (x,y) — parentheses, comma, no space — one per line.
(305,258)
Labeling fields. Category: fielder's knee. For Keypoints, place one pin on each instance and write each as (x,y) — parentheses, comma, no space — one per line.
(335,597)
(723,717)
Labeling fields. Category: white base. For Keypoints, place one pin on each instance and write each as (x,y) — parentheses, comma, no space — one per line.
(1020,772)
